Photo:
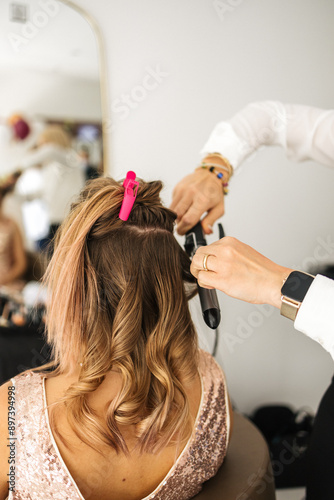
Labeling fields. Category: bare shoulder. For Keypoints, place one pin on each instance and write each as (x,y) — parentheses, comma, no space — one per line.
(6,402)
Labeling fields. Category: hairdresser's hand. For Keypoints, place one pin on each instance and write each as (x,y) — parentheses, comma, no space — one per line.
(194,195)
(240,271)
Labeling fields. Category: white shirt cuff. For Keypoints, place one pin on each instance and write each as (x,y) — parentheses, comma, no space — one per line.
(225,141)
(315,317)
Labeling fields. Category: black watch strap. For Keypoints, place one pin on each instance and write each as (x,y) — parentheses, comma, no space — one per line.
(293,292)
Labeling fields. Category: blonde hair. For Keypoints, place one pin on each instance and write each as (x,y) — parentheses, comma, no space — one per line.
(119,302)
(55,134)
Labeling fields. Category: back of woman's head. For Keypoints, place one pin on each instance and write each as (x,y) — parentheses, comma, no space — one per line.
(54,134)
(119,303)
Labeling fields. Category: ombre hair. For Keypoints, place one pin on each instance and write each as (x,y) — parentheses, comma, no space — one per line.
(55,134)
(119,302)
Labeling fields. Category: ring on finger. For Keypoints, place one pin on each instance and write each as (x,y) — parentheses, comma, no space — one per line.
(205,259)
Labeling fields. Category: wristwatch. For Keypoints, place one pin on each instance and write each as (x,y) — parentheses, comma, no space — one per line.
(293,292)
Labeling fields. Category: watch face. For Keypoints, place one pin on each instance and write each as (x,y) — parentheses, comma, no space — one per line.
(297,285)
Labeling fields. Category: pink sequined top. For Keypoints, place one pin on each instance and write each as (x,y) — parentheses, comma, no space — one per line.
(42,474)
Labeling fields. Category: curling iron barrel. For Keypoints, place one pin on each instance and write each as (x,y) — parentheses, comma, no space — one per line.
(208,298)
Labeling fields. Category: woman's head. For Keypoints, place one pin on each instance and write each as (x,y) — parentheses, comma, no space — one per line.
(118,302)
(54,134)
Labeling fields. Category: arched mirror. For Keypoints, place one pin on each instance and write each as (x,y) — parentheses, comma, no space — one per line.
(50,67)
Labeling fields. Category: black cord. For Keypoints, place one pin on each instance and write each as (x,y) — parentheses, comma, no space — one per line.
(215,346)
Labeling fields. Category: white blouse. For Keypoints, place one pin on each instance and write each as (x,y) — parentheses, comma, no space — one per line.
(305,133)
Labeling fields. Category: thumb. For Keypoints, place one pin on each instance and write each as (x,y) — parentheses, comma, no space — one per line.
(211,217)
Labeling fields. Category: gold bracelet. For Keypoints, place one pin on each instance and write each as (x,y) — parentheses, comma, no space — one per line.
(225,160)
(222,167)
(219,175)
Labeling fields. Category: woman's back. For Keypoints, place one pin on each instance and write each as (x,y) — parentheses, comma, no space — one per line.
(120,477)
(49,469)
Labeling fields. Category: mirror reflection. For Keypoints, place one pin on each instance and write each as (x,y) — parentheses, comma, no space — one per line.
(50,127)
(50,145)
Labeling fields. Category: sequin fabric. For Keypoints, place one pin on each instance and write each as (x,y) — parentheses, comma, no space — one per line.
(42,474)
(39,472)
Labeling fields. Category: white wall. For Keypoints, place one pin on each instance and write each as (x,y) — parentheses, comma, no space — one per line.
(59,96)
(213,65)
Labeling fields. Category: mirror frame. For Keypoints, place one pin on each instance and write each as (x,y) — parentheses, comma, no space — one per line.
(103,78)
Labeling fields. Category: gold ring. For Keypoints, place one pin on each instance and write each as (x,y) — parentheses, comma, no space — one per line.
(204,262)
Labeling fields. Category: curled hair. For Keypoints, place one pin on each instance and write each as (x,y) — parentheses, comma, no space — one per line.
(119,303)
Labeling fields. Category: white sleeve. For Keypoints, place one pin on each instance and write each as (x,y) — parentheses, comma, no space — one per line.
(304,132)
(315,317)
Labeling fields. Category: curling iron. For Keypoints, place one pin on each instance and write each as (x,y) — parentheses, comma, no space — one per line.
(208,297)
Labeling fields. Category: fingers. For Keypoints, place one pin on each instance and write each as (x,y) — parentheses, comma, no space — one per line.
(192,216)
(221,255)
(195,195)
(200,203)
(214,214)
(181,203)
(197,263)
(239,271)
(177,195)
(207,279)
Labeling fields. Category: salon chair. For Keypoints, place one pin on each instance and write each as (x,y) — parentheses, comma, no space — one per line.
(246,473)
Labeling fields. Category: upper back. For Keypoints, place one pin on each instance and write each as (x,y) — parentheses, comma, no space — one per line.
(80,472)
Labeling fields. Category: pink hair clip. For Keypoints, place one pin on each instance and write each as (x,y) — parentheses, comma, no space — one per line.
(129,195)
